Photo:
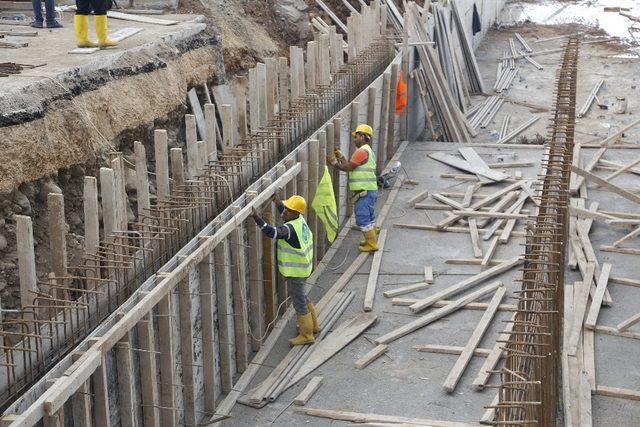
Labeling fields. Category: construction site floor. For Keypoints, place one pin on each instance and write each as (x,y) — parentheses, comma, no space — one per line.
(408,383)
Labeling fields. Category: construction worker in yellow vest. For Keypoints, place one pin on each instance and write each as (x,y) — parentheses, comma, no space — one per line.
(295,261)
(362,183)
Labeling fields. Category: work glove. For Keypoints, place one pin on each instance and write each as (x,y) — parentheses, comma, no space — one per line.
(338,154)
(332,160)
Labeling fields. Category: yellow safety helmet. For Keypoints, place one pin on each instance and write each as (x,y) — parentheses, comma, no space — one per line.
(365,129)
(295,203)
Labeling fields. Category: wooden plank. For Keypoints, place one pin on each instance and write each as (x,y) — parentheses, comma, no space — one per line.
(373,418)
(207,313)
(435,315)
(579,310)
(619,393)
(239,286)
(196,108)
(465,284)
(628,251)
(368,358)
(489,214)
(447,349)
(494,356)
(81,402)
(485,175)
(611,187)
(225,315)
(126,388)
(372,283)
(167,362)
(147,361)
(476,162)
(475,237)
(481,306)
(461,364)
(406,289)
(489,254)
(26,261)
(447,201)
(137,18)
(308,392)
(588,348)
(417,198)
(183,293)
(428,274)
(256,287)
(603,280)
(334,342)
(161,145)
(626,324)
(57,234)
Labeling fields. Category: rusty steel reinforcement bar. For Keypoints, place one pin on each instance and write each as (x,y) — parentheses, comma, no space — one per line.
(278,145)
(530,379)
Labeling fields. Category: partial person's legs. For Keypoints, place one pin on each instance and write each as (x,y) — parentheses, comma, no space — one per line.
(50,7)
(363,210)
(305,320)
(37,13)
(81,24)
(100,22)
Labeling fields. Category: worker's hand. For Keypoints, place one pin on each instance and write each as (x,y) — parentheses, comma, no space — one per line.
(338,154)
(276,197)
(254,212)
(331,159)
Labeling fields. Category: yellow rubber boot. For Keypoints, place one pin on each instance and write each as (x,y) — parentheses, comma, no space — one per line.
(377,229)
(305,327)
(371,242)
(81,27)
(314,317)
(100,21)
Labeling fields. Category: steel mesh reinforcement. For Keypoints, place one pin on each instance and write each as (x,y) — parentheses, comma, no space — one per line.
(530,379)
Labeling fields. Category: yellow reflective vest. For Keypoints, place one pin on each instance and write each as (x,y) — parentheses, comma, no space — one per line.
(294,262)
(364,176)
(324,204)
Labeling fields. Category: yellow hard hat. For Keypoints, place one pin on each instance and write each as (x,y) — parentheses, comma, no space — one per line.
(295,203)
(365,129)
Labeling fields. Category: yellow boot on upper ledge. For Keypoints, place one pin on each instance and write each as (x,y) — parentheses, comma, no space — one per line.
(100,21)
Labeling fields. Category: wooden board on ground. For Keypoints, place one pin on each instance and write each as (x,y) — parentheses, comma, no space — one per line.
(485,175)
(376,352)
(136,18)
(308,391)
(334,342)
(372,283)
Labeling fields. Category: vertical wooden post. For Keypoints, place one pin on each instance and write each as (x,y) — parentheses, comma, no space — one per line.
(149,385)
(57,235)
(241,106)
(99,383)
(371,115)
(335,50)
(177,167)
(192,150)
(26,261)
(294,73)
(322,160)
(391,127)
(161,148)
(124,363)
(271,85)
(207,290)
(351,38)
(107,191)
(57,419)
(279,280)
(254,100)
(312,64)
(383,120)
(324,65)
(183,292)
(81,402)
(283,83)
(355,119)
(211,125)
(269,260)
(142,179)
(301,80)
(314,146)
(337,174)
(167,363)
(302,179)
(226,115)
(261,70)
(238,262)
(122,202)
(225,315)
(256,290)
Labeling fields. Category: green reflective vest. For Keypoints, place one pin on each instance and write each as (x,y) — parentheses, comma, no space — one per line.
(324,205)
(364,176)
(293,262)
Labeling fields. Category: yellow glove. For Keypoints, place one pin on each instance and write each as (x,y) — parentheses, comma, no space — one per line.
(331,159)
(338,154)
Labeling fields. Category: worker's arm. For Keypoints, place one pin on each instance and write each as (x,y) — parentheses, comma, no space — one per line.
(271,231)
(358,158)
(345,165)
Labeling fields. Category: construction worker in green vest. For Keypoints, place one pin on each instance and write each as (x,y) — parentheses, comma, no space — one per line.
(362,183)
(295,261)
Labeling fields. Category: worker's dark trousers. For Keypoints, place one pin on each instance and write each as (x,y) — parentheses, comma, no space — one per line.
(299,298)
(85,7)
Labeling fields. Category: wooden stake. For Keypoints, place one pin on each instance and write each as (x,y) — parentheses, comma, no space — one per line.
(225,315)
(26,261)
(193,163)
(167,362)
(162,163)
(124,364)
(57,235)
(177,167)
(256,287)
(149,385)
(209,360)
(239,283)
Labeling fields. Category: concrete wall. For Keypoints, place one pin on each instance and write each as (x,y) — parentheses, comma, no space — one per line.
(489,11)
